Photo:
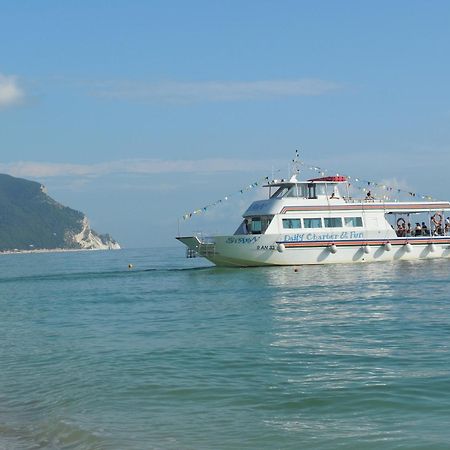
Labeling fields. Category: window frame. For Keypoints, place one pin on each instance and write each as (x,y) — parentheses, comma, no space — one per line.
(347,225)
(312,218)
(291,219)
(333,226)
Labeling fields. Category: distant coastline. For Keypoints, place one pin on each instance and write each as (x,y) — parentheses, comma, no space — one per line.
(52,250)
(31,221)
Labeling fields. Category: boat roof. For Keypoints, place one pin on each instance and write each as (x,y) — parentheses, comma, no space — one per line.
(386,207)
(293,180)
(321,202)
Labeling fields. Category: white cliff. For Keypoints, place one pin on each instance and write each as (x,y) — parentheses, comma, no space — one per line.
(90,240)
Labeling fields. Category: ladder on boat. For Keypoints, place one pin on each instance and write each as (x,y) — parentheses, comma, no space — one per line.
(205,249)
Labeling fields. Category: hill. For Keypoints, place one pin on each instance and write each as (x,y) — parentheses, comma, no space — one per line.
(30,219)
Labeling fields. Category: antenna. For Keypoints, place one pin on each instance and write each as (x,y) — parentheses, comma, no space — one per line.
(296,163)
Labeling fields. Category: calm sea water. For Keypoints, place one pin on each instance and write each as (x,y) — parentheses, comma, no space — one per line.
(175,354)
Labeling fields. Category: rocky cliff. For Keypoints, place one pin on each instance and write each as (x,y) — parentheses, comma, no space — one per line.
(31,220)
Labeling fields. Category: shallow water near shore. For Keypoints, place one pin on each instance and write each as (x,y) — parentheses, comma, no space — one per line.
(176,354)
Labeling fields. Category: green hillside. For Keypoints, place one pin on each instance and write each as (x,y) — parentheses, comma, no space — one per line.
(30,219)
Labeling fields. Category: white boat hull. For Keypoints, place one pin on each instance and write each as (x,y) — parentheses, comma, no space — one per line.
(264,250)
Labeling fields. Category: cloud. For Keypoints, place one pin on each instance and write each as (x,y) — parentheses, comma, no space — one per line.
(31,169)
(215,91)
(10,92)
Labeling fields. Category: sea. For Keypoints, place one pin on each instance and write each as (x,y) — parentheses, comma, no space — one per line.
(174,353)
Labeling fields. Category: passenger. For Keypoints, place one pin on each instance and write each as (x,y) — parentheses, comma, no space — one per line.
(418,229)
(369,196)
(447,225)
(408,229)
(401,227)
(247,229)
(425,231)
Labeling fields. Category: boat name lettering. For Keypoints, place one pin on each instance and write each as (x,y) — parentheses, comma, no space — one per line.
(242,240)
(266,247)
(302,237)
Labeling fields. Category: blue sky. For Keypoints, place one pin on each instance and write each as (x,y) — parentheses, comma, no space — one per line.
(136,112)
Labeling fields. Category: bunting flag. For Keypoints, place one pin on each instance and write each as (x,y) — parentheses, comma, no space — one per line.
(354,182)
(247,188)
(362,183)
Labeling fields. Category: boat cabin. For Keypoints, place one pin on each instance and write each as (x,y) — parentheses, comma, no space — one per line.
(318,205)
(317,191)
(316,188)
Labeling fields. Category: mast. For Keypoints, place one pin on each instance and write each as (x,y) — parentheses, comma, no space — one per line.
(296,163)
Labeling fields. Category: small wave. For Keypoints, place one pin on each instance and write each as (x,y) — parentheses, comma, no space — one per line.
(99,274)
(59,435)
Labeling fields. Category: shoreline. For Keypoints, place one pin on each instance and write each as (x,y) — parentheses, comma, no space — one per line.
(52,250)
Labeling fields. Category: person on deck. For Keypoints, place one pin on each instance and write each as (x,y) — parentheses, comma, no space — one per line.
(418,229)
(401,230)
(247,229)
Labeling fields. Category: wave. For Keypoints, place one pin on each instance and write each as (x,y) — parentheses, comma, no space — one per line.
(99,274)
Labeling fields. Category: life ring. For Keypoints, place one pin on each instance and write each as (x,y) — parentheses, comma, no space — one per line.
(401,222)
(437,219)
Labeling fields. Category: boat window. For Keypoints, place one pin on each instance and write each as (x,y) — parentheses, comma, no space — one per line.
(293,192)
(259,224)
(312,223)
(265,222)
(256,225)
(353,221)
(312,191)
(321,189)
(292,223)
(281,192)
(298,190)
(332,222)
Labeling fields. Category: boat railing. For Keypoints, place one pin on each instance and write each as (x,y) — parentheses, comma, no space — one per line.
(204,238)
(206,246)
(361,200)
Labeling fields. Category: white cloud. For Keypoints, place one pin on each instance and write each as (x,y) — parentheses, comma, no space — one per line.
(30,169)
(10,92)
(173,91)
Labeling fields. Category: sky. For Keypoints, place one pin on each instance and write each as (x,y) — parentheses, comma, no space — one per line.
(138,112)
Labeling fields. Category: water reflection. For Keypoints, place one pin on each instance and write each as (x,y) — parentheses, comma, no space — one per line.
(343,314)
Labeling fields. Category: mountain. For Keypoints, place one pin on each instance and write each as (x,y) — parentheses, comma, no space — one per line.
(30,219)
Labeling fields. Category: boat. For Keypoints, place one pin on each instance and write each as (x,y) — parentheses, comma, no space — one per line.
(317,221)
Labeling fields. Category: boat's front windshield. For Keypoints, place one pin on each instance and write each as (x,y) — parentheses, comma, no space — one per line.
(280,192)
(296,190)
(306,190)
(254,225)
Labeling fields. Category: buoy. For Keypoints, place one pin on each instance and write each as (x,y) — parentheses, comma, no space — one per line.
(280,248)
(432,247)
(408,247)
(367,249)
(333,248)
(130,266)
(388,246)
(295,269)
